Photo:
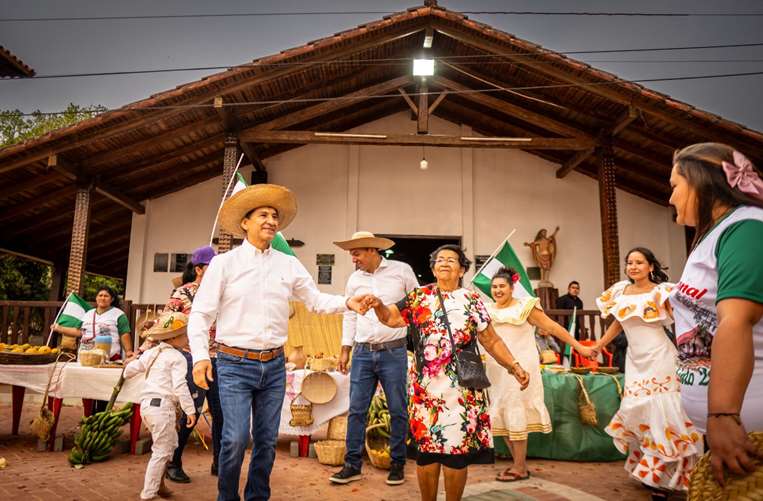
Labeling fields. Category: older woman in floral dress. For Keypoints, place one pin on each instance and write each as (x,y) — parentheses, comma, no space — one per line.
(451,424)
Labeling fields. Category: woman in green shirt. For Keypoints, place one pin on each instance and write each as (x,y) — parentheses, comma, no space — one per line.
(718,304)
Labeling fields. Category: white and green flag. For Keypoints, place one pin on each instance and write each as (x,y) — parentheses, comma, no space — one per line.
(73,311)
(240,183)
(504,256)
(279,243)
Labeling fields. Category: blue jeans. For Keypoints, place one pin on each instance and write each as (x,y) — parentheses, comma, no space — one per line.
(368,369)
(213,399)
(249,390)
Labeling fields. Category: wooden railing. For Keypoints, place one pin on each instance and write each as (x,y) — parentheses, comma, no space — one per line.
(21,321)
(27,321)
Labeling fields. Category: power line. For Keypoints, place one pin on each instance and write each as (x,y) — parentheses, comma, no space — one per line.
(386,96)
(375,12)
(401,60)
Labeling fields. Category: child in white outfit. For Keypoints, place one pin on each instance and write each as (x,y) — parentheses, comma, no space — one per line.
(165,386)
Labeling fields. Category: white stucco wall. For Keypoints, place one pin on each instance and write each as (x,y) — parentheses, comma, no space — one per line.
(479,195)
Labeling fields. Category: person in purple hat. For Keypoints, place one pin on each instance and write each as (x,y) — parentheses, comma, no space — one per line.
(181,301)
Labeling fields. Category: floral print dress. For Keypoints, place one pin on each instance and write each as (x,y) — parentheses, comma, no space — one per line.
(451,424)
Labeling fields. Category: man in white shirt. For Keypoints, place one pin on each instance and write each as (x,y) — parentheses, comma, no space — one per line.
(247,291)
(379,353)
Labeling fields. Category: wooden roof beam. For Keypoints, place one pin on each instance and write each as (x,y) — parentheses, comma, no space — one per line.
(232,125)
(34,182)
(52,223)
(37,201)
(513,110)
(437,101)
(409,101)
(72,172)
(620,124)
(154,140)
(331,105)
(311,137)
(168,159)
(630,97)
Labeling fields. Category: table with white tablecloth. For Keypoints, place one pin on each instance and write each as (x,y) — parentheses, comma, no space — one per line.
(71,380)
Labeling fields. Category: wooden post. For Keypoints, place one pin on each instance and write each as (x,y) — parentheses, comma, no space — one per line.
(608,205)
(80,228)
(423,108)
(230,159)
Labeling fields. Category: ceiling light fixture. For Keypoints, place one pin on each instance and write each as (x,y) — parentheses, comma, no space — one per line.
(423,67)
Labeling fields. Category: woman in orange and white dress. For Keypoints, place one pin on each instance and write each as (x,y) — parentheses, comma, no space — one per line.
(651,425)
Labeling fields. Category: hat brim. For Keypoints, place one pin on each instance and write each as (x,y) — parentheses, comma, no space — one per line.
(164,335)
(365,243)
(260,195)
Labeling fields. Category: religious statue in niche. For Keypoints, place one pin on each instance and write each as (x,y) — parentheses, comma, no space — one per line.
(544,253)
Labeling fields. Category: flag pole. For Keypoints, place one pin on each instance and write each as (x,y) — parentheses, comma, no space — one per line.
(60,310)
(225,196)
(497,249)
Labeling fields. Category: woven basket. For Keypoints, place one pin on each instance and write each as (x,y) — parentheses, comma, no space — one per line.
(69,343)
(91,358)
(586,407)
(301,414)
(8,358)
(330,452)
(321,364)
(318,388)
(337,428)
(702,485)
(375,454)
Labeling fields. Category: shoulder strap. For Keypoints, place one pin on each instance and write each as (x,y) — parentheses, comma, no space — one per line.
(447,325)
(151,364)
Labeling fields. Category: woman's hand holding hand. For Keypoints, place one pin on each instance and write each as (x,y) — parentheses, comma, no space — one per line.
(589,352)
(730,447)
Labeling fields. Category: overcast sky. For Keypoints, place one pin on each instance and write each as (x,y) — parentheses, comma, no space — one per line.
(103,46)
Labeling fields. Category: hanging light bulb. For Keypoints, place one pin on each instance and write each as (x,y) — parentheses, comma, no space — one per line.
(423,165)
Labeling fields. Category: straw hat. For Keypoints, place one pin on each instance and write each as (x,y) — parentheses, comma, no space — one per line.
(169,325)
(259,195)
(365,240)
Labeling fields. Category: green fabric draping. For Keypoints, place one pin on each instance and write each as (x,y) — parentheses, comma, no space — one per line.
(570,439)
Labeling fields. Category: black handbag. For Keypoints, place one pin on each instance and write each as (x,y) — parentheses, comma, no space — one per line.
(469,367)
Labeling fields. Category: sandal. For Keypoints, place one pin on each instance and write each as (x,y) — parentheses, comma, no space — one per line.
(511,476)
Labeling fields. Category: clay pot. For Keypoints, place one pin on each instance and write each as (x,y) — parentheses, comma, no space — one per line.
(297,357)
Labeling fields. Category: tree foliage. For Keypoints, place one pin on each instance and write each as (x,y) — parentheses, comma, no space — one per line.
(16,127)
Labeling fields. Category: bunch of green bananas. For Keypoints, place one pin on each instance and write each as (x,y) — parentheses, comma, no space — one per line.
(96,437)
(378,413)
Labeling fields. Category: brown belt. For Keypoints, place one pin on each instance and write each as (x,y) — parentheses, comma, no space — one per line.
(261,355)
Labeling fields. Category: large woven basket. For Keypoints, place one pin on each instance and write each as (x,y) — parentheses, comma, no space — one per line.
(330,452)
(318,388)
(8,358)
(376,451)
(702,485)
(337,428)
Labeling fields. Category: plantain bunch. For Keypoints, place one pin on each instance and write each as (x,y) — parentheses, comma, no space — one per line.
(97,434)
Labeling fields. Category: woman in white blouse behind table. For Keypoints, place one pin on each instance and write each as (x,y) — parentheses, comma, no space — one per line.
(106,319)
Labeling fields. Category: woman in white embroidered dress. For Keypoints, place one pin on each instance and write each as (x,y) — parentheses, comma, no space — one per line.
(515,413)
(719,301)
(651,425)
